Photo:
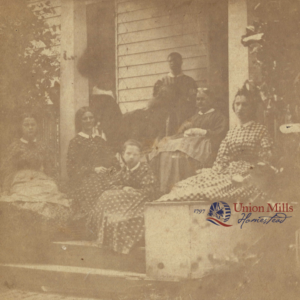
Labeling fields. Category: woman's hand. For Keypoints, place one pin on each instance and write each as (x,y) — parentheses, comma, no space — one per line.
(129,189)
(100,170)
(187,133)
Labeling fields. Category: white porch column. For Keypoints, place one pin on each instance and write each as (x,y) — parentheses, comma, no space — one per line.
(74,89)
(238,64)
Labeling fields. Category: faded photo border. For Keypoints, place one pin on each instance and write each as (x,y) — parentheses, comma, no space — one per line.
(150,149)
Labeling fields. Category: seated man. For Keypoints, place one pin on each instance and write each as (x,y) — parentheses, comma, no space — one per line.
(195,146)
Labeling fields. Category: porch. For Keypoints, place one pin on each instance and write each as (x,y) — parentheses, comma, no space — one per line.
(125,45)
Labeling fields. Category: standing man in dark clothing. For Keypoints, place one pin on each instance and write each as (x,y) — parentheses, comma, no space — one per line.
(184,104)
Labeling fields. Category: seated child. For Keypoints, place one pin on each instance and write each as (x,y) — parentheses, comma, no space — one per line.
(119,215)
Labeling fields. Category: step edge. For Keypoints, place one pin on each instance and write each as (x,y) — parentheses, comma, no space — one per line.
(78,270)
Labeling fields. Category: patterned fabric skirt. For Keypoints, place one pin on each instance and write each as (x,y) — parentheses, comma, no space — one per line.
(120,218)
(209,184)
(172,167)
(89,192)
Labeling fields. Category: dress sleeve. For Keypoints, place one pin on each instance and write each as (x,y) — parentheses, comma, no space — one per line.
(110,160)
(187,124)
(265,152)
(148,183)
(219,126)
(49,164)
(224,157)
(9,163)
(75,168)
(116,181)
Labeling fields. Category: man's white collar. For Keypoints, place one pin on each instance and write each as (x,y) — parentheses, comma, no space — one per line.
(207,112)
(25,141)
(173,76)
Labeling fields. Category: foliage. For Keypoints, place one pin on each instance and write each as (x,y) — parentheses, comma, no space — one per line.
(274,44)
(29,71)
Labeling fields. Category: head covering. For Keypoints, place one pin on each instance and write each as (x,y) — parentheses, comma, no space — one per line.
(97,91)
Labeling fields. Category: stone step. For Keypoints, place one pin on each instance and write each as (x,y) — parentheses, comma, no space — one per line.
(87,254)
(70,280)
(79,254)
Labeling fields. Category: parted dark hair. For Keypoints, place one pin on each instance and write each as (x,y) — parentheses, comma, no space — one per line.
(131,142)
(78,117)
(250,93)
(175,54)
(29,115)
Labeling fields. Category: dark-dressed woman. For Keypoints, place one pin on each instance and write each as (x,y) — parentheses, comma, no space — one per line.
(244,146)
(30,193)
(119,215)
(90,163)
(178,157)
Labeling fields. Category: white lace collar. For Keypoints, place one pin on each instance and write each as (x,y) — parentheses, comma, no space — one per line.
(246,124)
(86,135)
(135,167)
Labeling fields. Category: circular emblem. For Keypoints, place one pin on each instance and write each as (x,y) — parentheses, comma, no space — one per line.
(219,213)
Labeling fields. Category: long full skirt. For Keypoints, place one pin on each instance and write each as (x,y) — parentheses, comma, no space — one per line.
(211,184)
(120,216)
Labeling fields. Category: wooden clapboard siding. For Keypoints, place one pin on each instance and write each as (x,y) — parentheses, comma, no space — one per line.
(199,75)
(158,10)
(159,56)
(157,22)
(160,67)
(135,94)
(147,31)
(166,43)
(157,33)
(129,6)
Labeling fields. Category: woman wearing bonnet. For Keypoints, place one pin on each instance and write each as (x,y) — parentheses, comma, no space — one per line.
(194,147)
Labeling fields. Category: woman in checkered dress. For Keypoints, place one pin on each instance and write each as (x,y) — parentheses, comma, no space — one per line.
(243,147)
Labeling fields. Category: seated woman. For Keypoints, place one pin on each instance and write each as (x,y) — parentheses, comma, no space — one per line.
(243,146)
(28,174)
(90,163)
(178,157)
(120,211)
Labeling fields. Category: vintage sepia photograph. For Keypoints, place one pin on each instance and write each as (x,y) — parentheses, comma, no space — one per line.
(149,149)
